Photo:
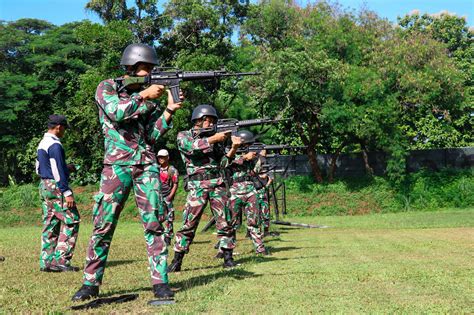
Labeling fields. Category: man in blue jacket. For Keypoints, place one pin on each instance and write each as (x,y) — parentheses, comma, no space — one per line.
(60,216)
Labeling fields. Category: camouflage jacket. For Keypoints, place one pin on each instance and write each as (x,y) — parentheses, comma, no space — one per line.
(203,158)
(240,168)
(130,125)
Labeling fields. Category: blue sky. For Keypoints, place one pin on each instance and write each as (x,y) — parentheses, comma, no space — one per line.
(62,11)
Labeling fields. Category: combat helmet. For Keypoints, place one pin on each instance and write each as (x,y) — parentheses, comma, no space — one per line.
(246,136)
(203,110)
(136,53)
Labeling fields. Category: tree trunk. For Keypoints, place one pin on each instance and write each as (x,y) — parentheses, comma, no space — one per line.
(332,167)
(365,155)
(313,162)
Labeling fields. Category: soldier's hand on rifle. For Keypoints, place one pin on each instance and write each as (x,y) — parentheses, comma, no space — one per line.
(263,153)
(152,92)
(236,141)
(70,201)
(172,106)
(250,156)
(219,137)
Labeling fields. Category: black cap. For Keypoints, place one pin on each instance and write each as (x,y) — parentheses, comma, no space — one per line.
(55,120)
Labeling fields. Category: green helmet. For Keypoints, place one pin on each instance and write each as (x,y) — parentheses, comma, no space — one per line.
(136,53)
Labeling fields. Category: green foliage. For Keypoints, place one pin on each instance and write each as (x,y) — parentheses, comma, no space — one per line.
(421,191)
(347,81)
(19,197)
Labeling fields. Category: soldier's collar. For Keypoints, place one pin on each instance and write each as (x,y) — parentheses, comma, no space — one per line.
(47,134)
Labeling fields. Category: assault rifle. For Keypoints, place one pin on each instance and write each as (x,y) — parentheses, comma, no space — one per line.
(277,148)
(171,77)
(232,124)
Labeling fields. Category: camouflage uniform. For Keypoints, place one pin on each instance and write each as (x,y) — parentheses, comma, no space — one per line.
(130,126)
(263,202)
(244,197)
(203,163)
(60,224)
(169,178)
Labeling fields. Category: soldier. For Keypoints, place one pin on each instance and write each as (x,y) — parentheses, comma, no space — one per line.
(262,183)
(243,194)
(169,186)
(130,124)
(204,157)
(60,216)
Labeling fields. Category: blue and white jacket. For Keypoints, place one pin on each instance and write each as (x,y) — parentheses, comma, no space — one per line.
(51,162)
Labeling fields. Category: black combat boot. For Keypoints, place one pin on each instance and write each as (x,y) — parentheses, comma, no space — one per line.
(86,292)
(163,292)
(228,260)
(175,265)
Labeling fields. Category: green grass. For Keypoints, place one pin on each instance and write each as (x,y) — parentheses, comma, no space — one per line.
(412,262)
(423,191)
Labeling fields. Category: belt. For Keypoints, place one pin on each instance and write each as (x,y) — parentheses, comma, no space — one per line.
(243,179)
(201,177)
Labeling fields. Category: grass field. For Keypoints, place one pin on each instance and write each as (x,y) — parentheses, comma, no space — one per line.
(415,262)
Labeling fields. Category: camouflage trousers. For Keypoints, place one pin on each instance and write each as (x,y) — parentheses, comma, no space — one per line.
(115,185)
(60,226)
(264,205)
(195,204)
(246,202)
(169,218)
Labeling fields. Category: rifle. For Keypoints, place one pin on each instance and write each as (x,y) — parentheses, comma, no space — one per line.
(232,124)
(171,77)
(257,147)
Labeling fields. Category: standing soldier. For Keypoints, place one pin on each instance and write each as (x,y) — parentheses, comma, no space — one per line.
(60,216)
(204,157)
(243,197)
(262,183)
(169,186)
(130,124)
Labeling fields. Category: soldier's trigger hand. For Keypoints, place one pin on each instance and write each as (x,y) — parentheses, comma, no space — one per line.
(220,136)
(153,91)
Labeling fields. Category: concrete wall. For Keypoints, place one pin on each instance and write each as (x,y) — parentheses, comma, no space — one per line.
(353,164)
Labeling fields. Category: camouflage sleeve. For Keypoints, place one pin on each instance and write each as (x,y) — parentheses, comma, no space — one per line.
(191,146)
(120,109)
(258,166)
(157,126)
(238,160)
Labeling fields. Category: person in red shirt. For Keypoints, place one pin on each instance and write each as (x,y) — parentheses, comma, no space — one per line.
(169,185)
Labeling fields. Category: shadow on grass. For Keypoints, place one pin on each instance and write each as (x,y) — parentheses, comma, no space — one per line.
(187,284)
(283,249)
(201,242)
(266,259)
(114,263)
